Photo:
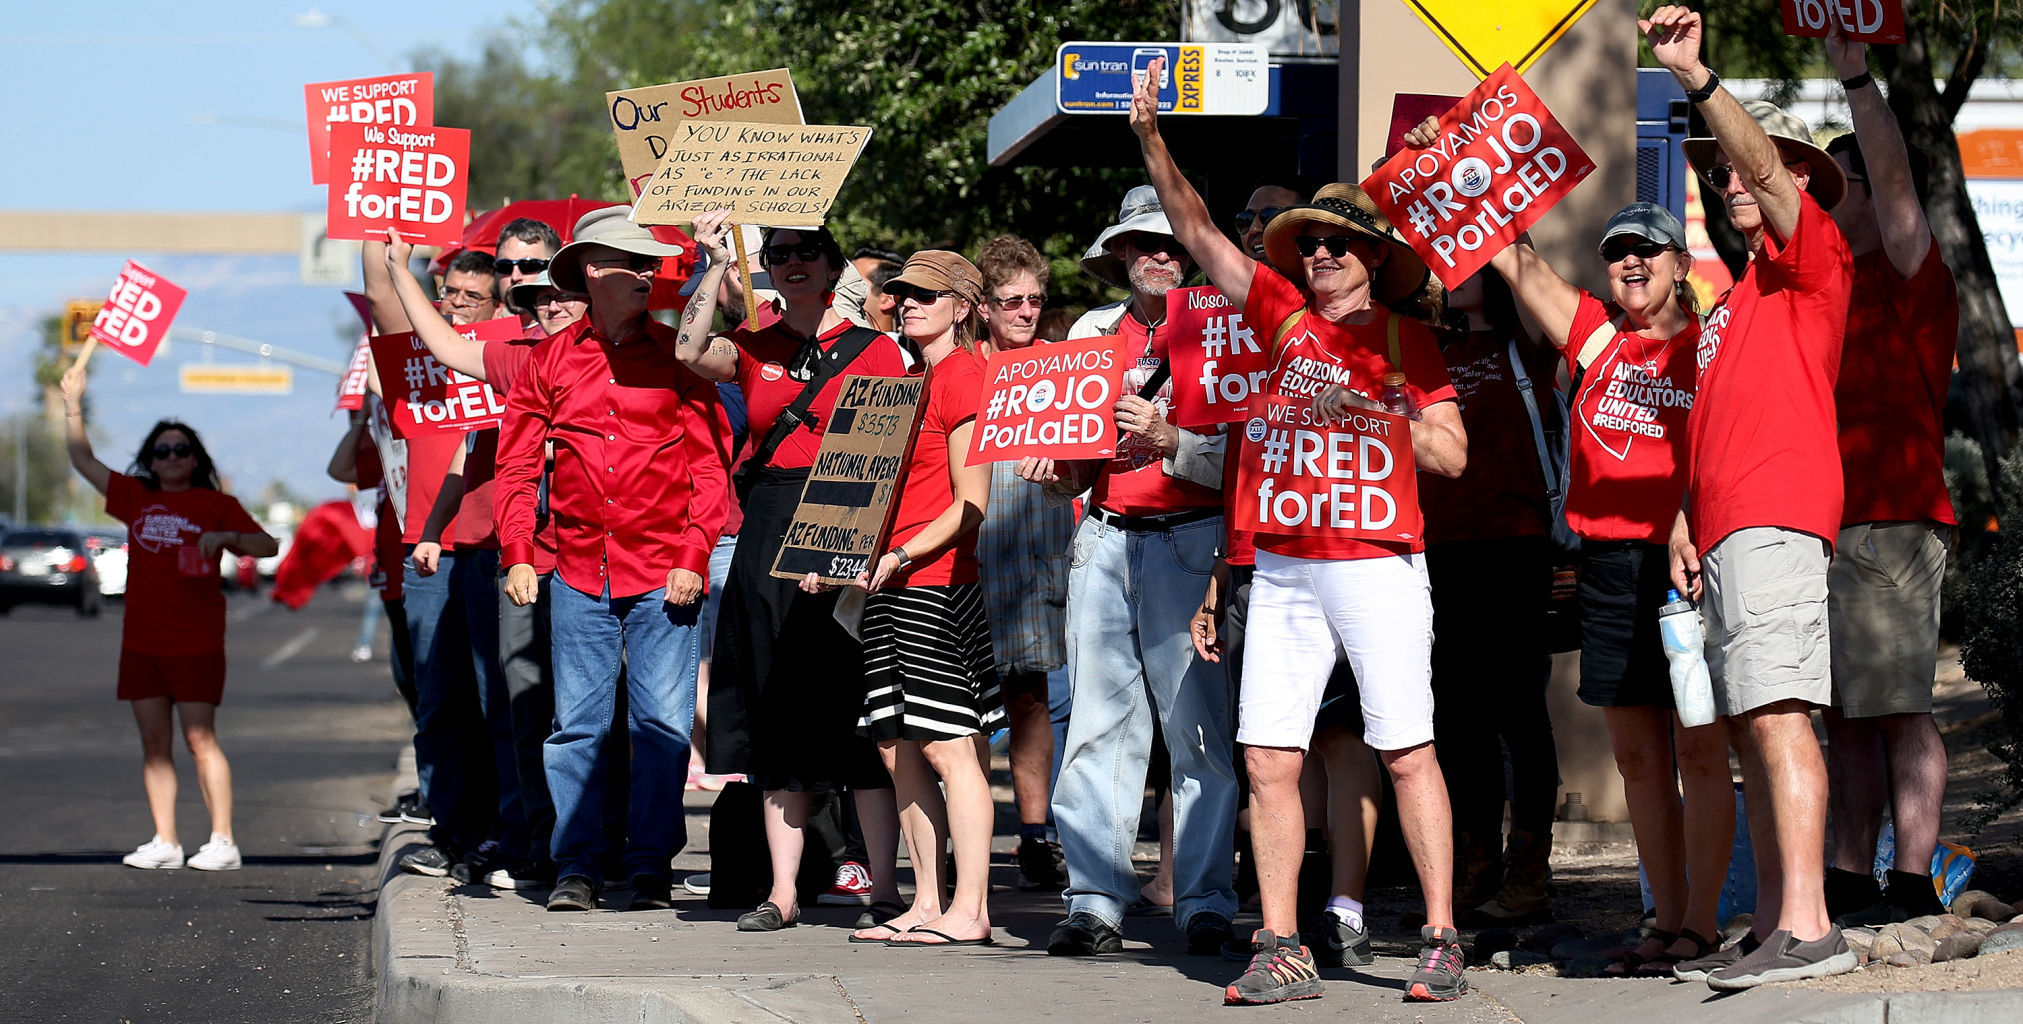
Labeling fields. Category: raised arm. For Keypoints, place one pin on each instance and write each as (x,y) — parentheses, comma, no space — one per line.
(1549,298)
(713,358)
(387,315)
(1906,236)
(1227,267)
(74,437)
(450,348)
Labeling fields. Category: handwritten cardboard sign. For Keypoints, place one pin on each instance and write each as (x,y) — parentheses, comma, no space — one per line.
(411,181)
(425,396)
(782,175)
(1501,162)
(1220,360)
(846,507)
(643,120)
(1867,21)
(406,101)
(355,384)
(1050,401)
(1354,478)
(137,313)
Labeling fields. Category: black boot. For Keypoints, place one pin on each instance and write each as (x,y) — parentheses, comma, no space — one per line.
(1853,898)
(1912,895)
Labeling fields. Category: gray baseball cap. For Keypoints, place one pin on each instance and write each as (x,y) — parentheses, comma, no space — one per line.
(1647,220)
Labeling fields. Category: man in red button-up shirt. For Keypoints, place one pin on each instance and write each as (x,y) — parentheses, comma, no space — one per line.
(638,495)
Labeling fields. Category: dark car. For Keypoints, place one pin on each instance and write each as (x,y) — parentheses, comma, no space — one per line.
(47,566)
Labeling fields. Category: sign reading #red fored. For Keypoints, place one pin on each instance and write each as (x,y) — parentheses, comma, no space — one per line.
(1500,163)
(137,313)
(407,101)
(352,388)
(1867,21)
(1220,360)
(412,181)
(427,396)
(1354,478)
(1050,401)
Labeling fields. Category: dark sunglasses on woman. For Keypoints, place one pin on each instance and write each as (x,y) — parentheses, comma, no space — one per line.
(1615,250)
(1336,245)
(172,451)
(806,252)
(900,292)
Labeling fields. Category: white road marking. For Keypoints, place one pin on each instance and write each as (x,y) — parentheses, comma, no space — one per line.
(290,649)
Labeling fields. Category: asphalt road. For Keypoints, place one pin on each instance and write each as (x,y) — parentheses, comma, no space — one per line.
(312,739)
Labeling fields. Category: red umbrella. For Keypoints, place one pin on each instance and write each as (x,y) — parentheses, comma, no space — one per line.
(562,214)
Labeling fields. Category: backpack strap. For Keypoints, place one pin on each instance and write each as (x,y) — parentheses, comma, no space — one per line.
(1524,388)
(832,364)
(1285,328)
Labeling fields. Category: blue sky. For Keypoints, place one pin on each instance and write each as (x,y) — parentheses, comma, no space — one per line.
(195,107)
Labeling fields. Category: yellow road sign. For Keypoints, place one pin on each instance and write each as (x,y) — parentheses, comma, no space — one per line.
(204,378)
(77,318)
(1485,35)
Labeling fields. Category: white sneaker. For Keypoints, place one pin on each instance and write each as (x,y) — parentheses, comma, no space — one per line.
(220,854)
(154,854)
(362,653)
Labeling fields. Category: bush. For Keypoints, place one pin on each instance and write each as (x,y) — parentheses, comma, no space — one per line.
(1991,640)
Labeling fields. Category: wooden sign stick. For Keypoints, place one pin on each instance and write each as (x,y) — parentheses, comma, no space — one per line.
(745,279)
(84,354)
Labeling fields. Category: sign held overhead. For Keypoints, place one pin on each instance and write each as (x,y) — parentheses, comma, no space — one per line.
(643,120)
(136,316)
(782,175)
(403,100)
(410,181)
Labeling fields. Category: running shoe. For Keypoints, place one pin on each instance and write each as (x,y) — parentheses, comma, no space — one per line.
(1337,943)
(1281,970)
(852,887)
(426,861)
(220,854)
(154,855)
(1438,977)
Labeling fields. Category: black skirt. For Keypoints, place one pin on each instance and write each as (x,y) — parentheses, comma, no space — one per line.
(786,681)
(929,674)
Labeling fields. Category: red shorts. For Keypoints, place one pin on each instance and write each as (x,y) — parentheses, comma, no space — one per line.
(194,678)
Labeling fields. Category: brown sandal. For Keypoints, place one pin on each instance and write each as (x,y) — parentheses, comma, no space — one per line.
(1660,966)
(1630,963)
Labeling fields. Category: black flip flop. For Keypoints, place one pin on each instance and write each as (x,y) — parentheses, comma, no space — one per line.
(946,939)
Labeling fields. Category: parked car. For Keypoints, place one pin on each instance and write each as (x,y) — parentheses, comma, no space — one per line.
(108,556)
(48,566)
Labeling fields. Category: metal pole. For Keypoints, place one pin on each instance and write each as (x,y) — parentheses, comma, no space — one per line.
(20,469)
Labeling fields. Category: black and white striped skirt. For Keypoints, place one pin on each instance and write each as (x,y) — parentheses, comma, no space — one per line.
(928,670)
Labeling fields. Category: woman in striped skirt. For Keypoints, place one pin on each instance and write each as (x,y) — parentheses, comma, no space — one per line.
(931,683)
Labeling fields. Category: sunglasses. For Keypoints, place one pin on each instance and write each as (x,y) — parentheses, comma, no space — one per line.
(1011,302)
(505,267)
(172,451)
(1336,245)
(559,298)
(902,292)
(1259,217)
(1149,244)
(1720,174)
(1615,250)
(635,263)
(806,252)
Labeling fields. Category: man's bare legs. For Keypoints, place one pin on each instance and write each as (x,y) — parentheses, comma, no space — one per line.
(1784,775)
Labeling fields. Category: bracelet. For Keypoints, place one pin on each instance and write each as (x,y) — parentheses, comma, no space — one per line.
(900,553)
(1857,82)
(1705,92)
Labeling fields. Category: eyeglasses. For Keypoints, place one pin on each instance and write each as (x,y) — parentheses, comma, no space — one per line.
(1336,245)
(1008,303)
(806,252)
(171,451)
(1260,217)
(505,267)
(636,263)
(1616,249)
(1149,243)
(559,298)
(901,292)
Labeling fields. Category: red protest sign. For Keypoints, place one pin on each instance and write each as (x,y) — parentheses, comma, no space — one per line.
(1354,478)
(137,313)
(404,100)
(411,181)
(427,396)
(1050,401)
(1501,161)
(1220,360)
(1868,21)
(357,378)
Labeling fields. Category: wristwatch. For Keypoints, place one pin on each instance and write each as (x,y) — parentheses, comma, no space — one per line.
(1705,92)
(904,558)
(1858,81)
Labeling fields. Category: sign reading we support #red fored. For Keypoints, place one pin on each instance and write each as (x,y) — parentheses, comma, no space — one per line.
(1500,163)
(1867,21)
(1354,478)
(1219,359)
(406,101)
(137,313)
(412,181)
(1050,401)
(424,395)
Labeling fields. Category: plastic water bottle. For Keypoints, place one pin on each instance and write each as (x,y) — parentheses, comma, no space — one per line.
(1685,649)
(1395,398)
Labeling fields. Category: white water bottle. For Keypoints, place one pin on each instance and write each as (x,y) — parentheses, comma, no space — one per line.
(1685,649)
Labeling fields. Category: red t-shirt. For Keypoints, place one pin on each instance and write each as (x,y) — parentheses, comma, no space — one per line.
(503,364)
(953,395)
(1627,467)
(1763,434)
(765,374)
(1134,481)
(1318,352)
(1894,373)
(1501,492)
(175,599)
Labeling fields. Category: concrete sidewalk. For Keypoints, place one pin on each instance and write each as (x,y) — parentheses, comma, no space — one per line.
(468,953)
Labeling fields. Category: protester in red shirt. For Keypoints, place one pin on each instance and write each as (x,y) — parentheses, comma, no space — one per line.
(1764,498)
(172,643)
(786,689)
(638,494)
(1883,585)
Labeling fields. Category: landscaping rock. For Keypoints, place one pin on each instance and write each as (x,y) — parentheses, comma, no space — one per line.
(1512,959)
(1541,940)
(1958,946)
(1492,941)
(1983,904)
(1909,958)
(1943,926)
(1892,939)
(1587,965)
(1980,926)
(2003,939)
(1737,926)
(1860,940)
(1930,923)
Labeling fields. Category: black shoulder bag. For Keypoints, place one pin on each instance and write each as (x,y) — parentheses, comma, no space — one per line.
(831,365)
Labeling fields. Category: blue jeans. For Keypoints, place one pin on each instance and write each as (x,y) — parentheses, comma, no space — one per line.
(452,754)
(476,583)
(661,648)
(1130,598)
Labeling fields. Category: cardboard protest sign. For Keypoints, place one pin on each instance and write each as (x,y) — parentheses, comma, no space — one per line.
(1354,478)
(1868,21)
(353,386)
(424,395)
(411,181)
(406,101)
(1050,401)
(1220,360)
(137,313)
(643,120)
(1501,162)
(782,175)
(846,507)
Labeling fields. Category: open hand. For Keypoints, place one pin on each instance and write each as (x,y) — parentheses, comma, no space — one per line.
(1145,99)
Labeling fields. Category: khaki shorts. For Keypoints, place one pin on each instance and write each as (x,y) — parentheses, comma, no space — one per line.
(1765,612)
(1883,591)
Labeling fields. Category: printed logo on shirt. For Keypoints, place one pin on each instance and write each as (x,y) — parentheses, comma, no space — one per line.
(158,527)
(1710,335)
(1628,401)
(1304,369)
(770,372)
(1487,371)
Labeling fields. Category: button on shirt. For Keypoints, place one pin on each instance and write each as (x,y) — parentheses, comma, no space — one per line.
(639,486)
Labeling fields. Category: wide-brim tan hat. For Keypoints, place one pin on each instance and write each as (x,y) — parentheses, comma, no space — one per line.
(1140,211)
(1344,205)
(1793,139)
(609,228)
(939,270)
